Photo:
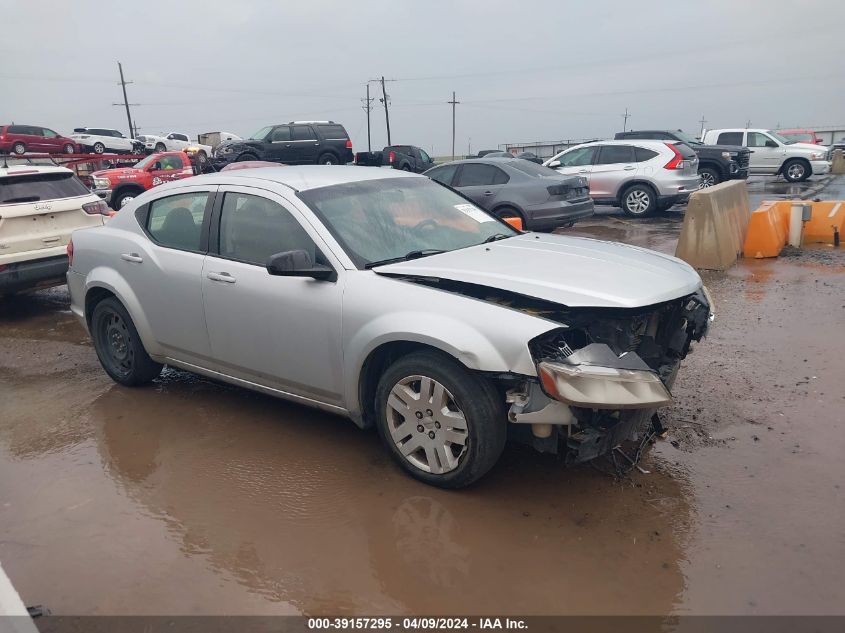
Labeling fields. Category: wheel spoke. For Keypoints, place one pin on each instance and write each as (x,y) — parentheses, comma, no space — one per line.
(403,430)
(455,437)
(439,401)
(412,445)
(433,462)
(445,457)
(397,405)
(453,420)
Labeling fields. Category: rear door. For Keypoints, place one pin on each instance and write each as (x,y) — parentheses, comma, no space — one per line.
(38,212)
(481,182)
(33,137)
(304,144)
(615,165)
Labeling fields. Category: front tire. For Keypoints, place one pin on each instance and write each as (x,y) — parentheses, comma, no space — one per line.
(504,213)
(328,159)
(639,201)
(69,149)
(709,177)
(19,148)
(796,170)
(119,347)
(125,198)
(99,148)
(443,424)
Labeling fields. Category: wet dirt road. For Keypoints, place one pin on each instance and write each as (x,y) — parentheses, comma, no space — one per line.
(191,497)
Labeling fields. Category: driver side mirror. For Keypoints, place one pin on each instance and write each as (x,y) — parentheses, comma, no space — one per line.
(771,144)
(298,263)
(554,163)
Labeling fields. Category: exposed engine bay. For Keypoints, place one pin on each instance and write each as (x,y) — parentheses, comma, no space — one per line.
(603,373)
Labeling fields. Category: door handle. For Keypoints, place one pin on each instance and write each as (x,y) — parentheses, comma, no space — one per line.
(132,257)
(584,171)
(488,193)
(225,277)
(629,167)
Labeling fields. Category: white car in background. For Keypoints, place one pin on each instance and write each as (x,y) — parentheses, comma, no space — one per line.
(772,154)
(174,142)
(101,140)
(40,206)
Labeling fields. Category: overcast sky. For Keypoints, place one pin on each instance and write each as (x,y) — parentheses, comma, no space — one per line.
(523,71)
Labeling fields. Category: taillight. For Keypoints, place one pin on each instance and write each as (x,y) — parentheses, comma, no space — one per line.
(677,161)
(391,156)
(70,252)
(2,134)
(558,190)
(96,208)
(349,143)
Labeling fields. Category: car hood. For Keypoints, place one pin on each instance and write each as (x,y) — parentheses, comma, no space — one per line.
(808,147)
(116,172)
(572,271)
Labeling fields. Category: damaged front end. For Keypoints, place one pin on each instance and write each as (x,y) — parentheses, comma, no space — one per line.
(603,374)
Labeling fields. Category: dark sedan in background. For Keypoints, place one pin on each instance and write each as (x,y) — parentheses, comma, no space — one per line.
(511,187)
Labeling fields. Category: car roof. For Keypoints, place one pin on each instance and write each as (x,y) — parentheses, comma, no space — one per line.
(305,177)
(640,142)
(23,170)
(797,130)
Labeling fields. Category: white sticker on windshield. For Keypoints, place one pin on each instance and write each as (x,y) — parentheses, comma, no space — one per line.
(474,212)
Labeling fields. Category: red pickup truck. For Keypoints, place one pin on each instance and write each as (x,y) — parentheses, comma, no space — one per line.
(120,185)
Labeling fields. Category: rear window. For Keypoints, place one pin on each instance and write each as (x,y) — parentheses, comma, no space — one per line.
(729,138)
(644,154)
(685,150)
(533,169)
(37,187)
(332,131)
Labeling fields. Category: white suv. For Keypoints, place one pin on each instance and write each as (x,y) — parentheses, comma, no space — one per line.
(640,176)
(40,206)
(772,154)
(99,140)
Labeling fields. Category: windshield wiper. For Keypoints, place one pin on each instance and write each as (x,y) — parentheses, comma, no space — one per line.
(407,256)
(495,237)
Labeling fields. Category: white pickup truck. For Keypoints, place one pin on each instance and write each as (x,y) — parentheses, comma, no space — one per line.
(772,154)
(174,142)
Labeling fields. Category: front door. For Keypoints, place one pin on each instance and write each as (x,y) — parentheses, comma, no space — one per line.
(614,165)
(279,147)
(169,167)
(577,162)
(481,182)
(164,271)
(766,154)
(280,332)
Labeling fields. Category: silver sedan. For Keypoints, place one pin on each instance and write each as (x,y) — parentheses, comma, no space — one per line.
(391,299)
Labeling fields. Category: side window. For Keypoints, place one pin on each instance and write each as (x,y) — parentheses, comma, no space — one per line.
(729,138)
(176,221)
(641,154)
(253,228)
(17,129)
(443,174)
(180,137)
(303,133)
(756,139)
(35,131)
(578,157)
(477,174)
(615,154)
(280,134)
(425,158)
(171,162)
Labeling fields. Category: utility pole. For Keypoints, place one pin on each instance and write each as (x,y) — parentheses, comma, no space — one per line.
(454,103)
(702,121)
(368,107)
(625,116)
(125,103)
(386,114)
(748,124)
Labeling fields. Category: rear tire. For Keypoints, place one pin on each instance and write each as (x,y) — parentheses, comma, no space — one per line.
(245,157)
(458,411)
(119,347)
(639,201)
(709,177)
(328,159)
(19,148)
(160,147)
(796,170)
(99,148)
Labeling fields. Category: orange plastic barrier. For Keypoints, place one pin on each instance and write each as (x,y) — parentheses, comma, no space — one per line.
(826,217)
(768,230)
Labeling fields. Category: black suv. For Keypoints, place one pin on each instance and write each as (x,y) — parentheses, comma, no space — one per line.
(294,143)
(716,163)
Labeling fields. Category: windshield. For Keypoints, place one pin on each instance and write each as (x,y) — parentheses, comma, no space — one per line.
(800,137)
(261,134)
(141,164)
(388,218)
(686,138)
(779,138)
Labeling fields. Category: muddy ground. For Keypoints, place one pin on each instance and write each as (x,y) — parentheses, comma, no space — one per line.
(189,497)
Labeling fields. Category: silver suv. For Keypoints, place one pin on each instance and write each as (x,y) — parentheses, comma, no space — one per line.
(640,176)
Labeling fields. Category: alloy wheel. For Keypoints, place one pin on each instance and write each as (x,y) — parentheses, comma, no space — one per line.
(126,200)
(638,201)
(426,424)
(795,171)
(707,180)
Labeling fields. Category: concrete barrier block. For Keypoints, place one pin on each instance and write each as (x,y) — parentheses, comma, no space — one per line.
(713,233)
(837,165)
